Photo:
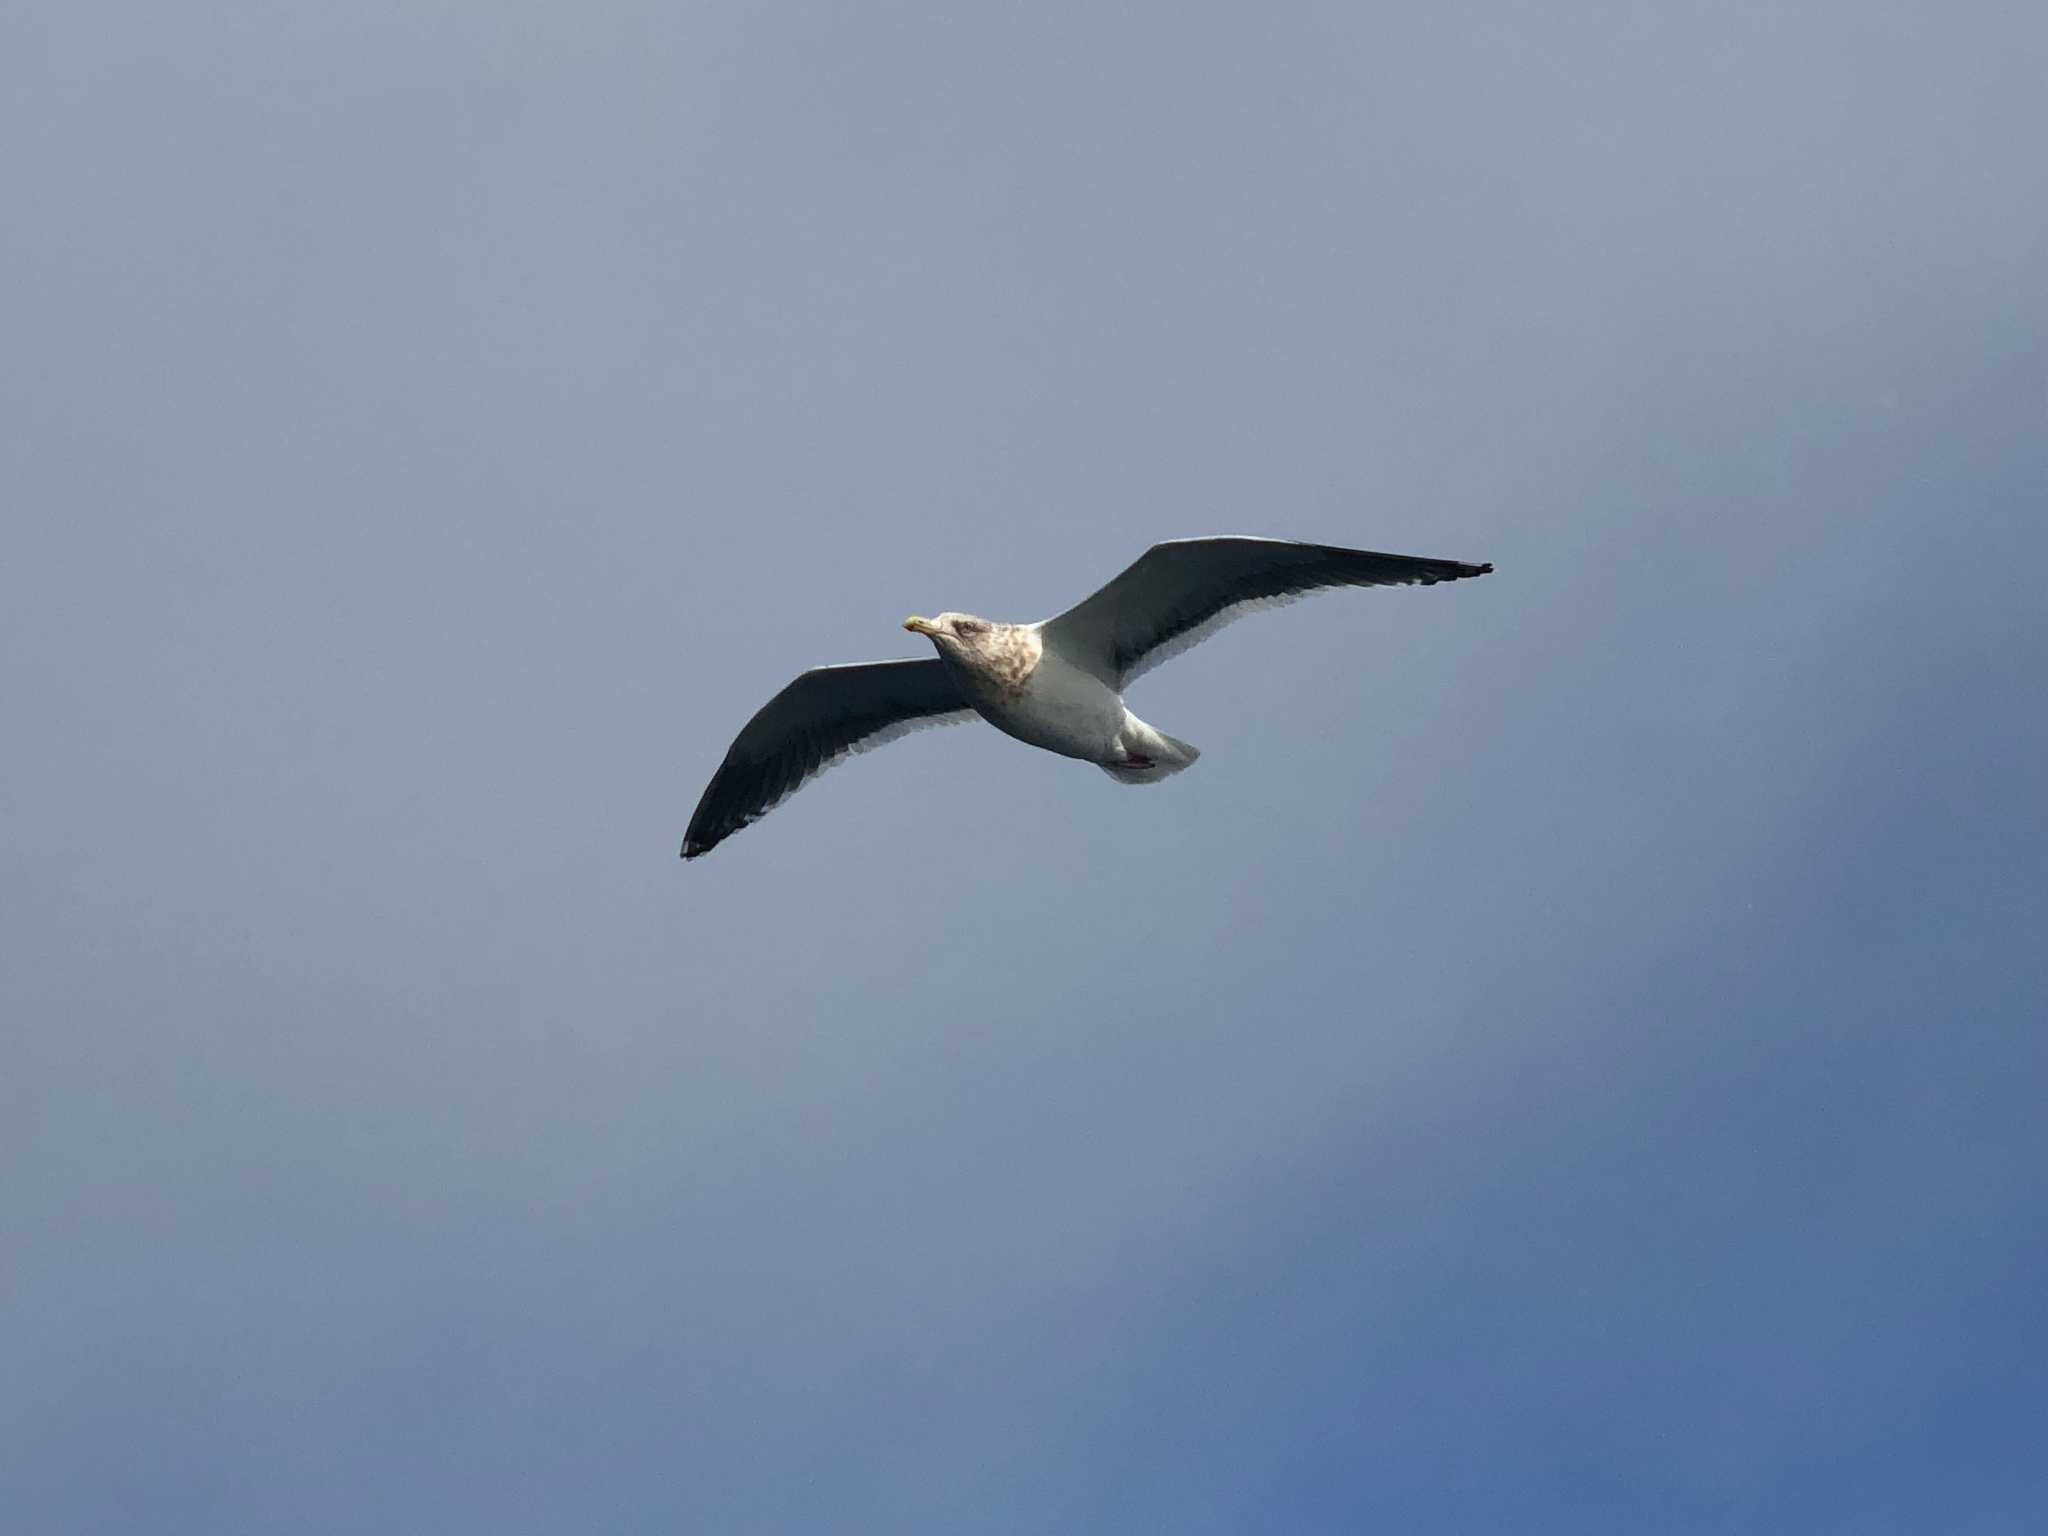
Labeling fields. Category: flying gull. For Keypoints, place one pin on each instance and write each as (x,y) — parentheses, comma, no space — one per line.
(1057,684)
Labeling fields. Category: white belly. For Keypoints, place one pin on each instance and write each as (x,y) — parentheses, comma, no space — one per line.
(1060,708)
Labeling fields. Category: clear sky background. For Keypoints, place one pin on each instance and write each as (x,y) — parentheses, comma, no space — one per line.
(1570,1057)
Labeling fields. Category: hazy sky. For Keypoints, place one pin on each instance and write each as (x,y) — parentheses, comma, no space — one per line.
(1569,1058)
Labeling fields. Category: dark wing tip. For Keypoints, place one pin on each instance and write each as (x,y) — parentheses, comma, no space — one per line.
(1451,570)
(705,831)
(1459,571)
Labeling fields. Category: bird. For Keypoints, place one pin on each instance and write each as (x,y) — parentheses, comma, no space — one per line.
(1057,684)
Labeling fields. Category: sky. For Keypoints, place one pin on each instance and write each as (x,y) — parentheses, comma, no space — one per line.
(1569,1058)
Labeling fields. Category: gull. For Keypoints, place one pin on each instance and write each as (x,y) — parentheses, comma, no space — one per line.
(1056,684)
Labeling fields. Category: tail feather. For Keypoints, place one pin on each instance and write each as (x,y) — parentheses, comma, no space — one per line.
(1159,756)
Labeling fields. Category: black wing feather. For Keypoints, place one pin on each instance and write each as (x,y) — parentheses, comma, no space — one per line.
(1178,592)
(818,719)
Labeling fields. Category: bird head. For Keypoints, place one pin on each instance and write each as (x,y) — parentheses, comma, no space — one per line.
(949,629)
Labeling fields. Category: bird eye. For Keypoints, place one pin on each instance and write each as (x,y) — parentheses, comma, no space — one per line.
(969,626)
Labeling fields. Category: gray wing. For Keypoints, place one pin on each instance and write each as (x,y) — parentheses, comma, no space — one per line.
(1184,590)
(814,722)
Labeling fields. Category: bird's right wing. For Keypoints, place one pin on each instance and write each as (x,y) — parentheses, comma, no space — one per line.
(1184,590)
(813,723)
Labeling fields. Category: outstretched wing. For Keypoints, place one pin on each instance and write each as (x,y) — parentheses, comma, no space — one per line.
(814,722)
(1184,590)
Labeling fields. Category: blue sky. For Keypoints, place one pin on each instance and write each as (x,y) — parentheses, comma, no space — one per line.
(1568,1058)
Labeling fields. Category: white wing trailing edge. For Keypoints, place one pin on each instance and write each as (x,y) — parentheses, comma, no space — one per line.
(1179,593)
(817,720)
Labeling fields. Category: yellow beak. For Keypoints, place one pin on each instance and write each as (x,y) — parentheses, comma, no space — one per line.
(918,625)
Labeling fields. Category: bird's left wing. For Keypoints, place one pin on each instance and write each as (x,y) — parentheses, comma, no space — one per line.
(1184,590)
(813,723)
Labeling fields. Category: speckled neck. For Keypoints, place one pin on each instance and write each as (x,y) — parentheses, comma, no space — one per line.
(1004,657)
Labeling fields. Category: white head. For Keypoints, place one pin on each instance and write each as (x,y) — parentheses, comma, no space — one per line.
(952,631)
(1002,655)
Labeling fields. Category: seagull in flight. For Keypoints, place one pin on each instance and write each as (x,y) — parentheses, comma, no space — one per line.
(1057,684)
